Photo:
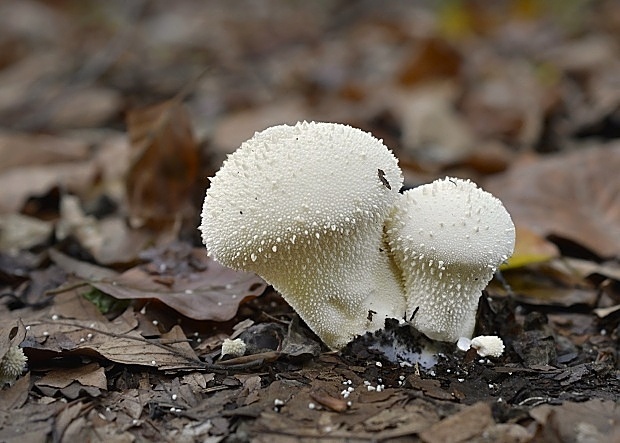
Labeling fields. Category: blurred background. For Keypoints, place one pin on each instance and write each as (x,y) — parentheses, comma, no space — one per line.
(128,107)
(114,114)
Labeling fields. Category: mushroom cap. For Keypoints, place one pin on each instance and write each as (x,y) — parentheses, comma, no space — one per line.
(448,237)
(304,207)
(235,348)
(453,221)
(291,184)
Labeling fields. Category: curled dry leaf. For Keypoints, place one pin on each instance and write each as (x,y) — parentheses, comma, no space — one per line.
(470,421)
(433,58)
(89,375)
(530,247)
(205,290)
(109,241)
(19,184)
(576,196)
(81,337)
(11,334)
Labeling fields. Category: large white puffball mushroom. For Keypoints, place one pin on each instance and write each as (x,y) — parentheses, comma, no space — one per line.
(304,207)
(448,238)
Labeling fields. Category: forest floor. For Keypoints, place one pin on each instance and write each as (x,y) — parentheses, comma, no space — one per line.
(112,116)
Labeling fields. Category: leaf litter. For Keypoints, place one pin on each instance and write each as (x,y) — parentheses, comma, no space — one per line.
(106,287)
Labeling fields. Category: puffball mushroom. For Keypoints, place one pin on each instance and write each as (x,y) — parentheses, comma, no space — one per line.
(12,365)
(485,345)
(233,348)
(304,207)
(448,237)
(488,345)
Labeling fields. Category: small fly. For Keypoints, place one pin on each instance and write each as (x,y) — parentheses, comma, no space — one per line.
(383,179)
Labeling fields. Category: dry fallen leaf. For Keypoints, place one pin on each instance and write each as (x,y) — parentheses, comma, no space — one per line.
(70,382)
(20,183)
(11,334)
(462,426)
(530,247)
(32,422)
(506,103)
(164,165)
(595,420)
(16,395)
(203,290)
(179,276)
(576,196)
(433,132)
(433,58)
(82,337)
(109,241)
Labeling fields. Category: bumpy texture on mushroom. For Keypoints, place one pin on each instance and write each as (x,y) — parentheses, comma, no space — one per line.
(448,238)
(488,345)
(304,207)
(12,365)
(485,345)
(234,348)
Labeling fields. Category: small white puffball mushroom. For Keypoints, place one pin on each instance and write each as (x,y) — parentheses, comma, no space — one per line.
(448,238)
(233,348)
(304,207)
(12,365)
(485,345)
(488,345)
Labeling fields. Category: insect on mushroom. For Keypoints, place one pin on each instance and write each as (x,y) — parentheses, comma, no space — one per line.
(12,364)
(383,179)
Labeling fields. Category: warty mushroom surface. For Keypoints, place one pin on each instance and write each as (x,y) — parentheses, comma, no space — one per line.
(448,237)
(304,207)
(12,365)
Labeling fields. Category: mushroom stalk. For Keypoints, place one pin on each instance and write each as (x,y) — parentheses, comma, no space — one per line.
(350,289)
(304,207)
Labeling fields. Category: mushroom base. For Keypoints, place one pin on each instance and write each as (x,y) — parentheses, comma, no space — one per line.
(348,292)
(446,306)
